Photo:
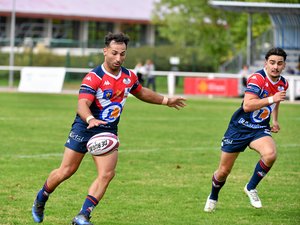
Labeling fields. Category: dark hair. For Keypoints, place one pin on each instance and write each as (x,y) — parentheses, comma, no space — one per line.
(276,51)
(117,37)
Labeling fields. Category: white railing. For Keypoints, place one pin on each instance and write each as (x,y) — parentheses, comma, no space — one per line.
(293,91)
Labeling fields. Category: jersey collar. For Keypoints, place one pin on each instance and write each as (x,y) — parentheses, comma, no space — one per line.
(110,74)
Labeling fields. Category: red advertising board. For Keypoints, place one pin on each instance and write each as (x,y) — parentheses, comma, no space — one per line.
(228,87)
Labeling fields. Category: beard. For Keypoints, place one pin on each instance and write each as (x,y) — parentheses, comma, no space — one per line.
(114,66)
(276,76)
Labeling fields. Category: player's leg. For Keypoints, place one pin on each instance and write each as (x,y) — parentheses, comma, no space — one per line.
(147,82)
(154,84)
(266,147)
(219,178)
(69,165)
(106,171)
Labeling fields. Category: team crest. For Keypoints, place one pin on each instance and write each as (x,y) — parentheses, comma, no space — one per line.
(265,94)
(280,88)
(126,80)
(107,94)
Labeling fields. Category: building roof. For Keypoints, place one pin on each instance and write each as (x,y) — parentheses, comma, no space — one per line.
(129,11)
(257,7)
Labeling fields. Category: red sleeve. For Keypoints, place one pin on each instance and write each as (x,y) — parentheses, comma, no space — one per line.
(89,86)
(137,86)
(256,79)
(137,89)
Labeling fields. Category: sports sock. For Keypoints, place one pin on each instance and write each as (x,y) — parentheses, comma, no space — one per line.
(44,193)
(260,171)
(88,206)
(216,187)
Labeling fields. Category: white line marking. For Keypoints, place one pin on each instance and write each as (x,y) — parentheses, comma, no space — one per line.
(48,155)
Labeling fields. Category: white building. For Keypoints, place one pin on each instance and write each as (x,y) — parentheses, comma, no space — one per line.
(75,23)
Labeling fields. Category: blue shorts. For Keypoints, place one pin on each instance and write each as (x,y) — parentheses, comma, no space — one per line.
(80,135)
(236,141)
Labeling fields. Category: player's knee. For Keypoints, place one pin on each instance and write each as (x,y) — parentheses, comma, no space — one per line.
(222,173)
(106,177)
(66,172)
(270,158)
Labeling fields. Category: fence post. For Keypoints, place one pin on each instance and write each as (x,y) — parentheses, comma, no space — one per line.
(292,88)
(171,84)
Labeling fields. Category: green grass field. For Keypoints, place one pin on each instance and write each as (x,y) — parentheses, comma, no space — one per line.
(166,161)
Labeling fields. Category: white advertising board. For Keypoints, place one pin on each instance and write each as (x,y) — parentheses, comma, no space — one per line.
(42,79)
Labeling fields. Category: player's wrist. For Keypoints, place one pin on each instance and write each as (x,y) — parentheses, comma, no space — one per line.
(165,101)
(89,118)
(271,100)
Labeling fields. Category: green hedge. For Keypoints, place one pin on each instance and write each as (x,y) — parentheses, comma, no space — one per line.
(191,59)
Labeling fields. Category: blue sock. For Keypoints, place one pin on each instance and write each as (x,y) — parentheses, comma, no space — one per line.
(88,206)
(216,187)
(44,193)
(260,171)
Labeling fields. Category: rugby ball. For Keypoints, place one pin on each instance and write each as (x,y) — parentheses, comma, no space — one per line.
(102,143)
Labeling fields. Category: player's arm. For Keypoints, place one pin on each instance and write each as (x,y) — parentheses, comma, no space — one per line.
(149,96)
(83,110)
(252,102)
(275,125)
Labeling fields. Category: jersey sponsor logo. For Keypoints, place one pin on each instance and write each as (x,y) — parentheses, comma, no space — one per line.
(227,141)
(246,123)
(76,137)
(89,78)
(111,113)
(106,83)
(260,115)
(107,94)
(118,93)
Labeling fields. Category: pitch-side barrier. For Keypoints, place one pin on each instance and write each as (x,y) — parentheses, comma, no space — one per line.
(195,83)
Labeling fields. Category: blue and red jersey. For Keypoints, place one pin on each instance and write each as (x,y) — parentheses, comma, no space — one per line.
(108,93)
(258,84)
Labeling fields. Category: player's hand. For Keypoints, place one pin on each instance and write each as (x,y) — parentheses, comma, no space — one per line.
(279,96)
(275,128)
(95,123)
(176,102)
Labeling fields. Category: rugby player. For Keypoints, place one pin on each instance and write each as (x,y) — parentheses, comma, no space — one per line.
(250,127)
(101,100)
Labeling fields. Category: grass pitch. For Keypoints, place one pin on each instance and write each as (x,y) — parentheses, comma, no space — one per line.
(166,161)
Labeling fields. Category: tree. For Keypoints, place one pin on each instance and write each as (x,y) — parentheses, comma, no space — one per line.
(217,34)
(194,23)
